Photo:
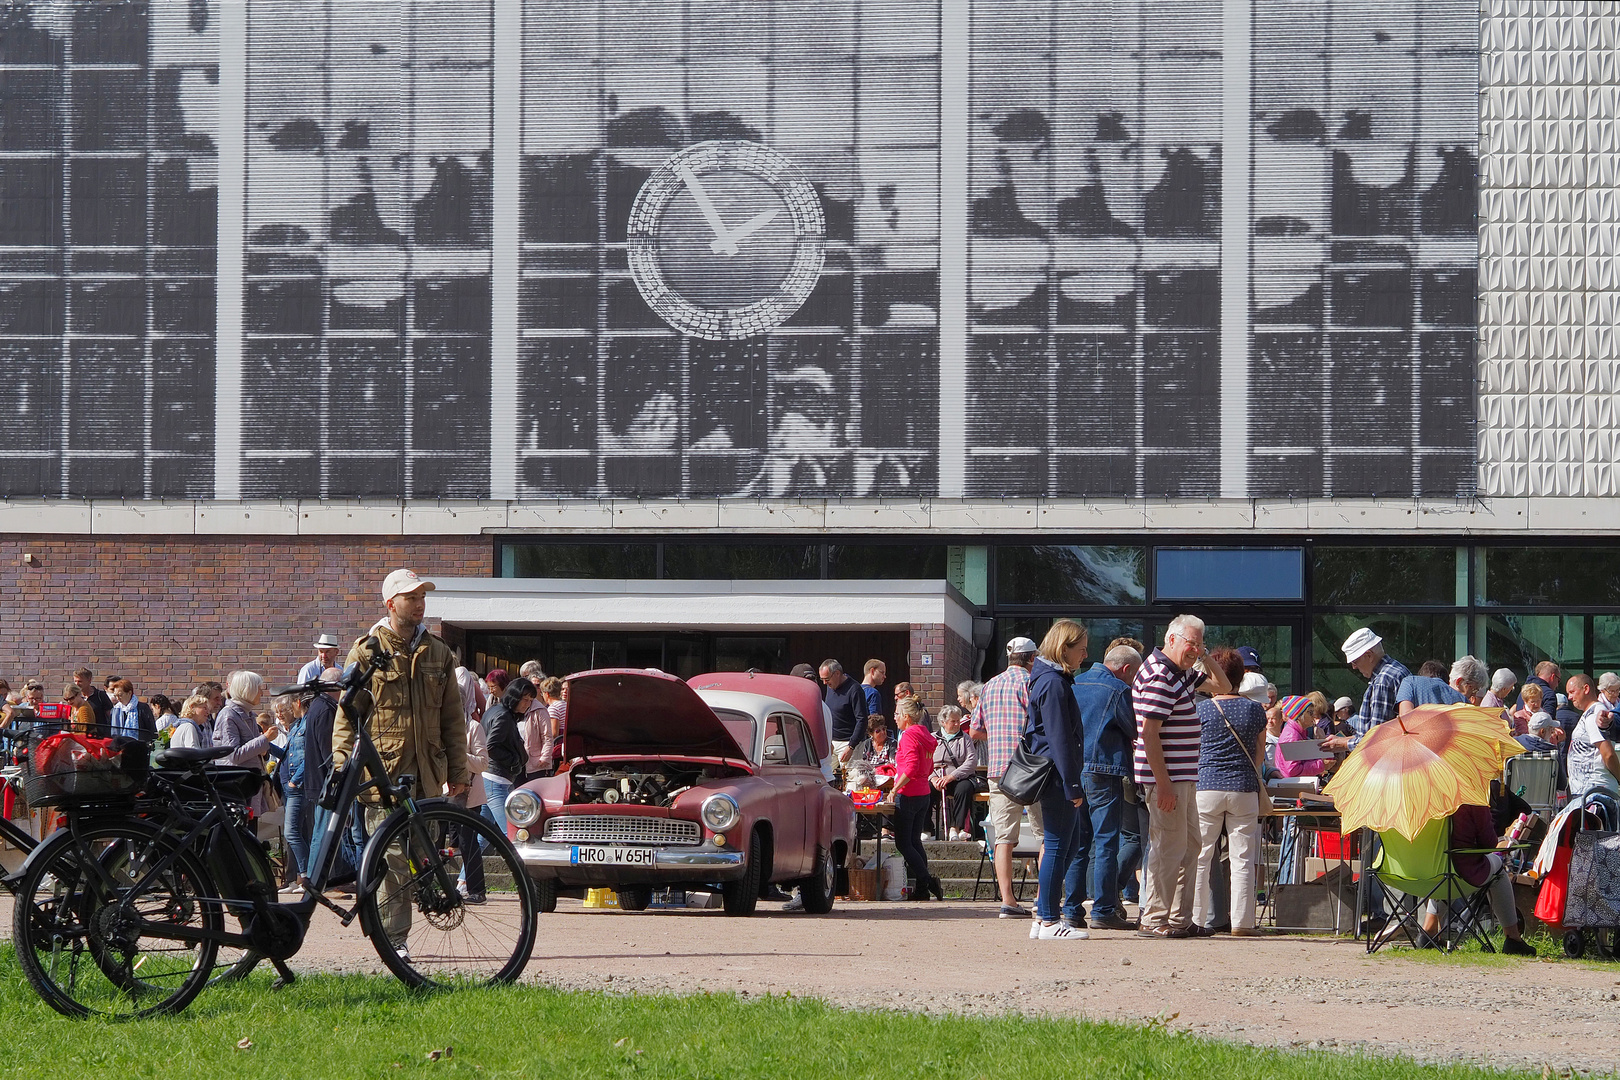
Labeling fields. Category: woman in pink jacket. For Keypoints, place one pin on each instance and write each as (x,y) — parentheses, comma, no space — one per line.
(1299,716)
(913,800)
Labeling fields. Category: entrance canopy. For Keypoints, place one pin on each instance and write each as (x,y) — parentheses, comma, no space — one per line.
(491,603)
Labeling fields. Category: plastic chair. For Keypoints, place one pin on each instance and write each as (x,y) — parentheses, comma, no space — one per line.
(1422,868)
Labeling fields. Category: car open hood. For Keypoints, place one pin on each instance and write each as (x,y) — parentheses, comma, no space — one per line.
(634,711)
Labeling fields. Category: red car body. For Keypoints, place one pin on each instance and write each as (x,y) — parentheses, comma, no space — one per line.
(644,753)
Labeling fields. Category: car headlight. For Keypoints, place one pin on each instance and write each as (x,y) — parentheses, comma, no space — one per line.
(720,812)
(522,808)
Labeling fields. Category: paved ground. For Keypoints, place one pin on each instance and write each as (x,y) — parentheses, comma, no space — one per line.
(1274,991)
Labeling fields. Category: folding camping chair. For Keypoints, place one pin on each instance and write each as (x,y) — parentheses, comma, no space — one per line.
(1536,774)
(1422,869)
(1025,850)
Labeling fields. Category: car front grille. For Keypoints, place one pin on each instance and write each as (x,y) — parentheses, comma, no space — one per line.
(616,829)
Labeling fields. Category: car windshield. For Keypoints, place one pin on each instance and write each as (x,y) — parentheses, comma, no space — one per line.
(741,726)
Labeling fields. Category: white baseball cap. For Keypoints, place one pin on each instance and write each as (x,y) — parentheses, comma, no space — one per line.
(404,581)
(1021,645)
(326,641)
(1359,644)
(1343,703)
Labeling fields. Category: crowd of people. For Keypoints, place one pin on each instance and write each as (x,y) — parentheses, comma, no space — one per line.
(1157,754)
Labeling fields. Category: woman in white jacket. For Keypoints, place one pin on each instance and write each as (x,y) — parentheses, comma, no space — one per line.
(192,728)
(477,762)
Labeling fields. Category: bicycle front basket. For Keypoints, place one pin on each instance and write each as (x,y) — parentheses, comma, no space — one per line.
(66,768)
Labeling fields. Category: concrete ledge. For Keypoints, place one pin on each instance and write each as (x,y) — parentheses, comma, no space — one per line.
(1259,518)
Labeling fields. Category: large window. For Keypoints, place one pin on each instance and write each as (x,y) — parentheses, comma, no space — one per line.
(1379,576)
(1228,574)
(579,560)
(1411,639)
(1577,577)
(767,562)
(1053,574)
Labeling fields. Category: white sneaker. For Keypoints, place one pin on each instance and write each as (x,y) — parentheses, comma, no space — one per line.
(1034,929)
(926,836)
(403,952)
(1058,932)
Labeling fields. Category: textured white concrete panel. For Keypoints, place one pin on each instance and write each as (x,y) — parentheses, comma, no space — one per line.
(1549,274)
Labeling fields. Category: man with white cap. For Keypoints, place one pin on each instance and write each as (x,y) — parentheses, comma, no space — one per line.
(1364,651)
(326,647)
(417,723)
(998,723)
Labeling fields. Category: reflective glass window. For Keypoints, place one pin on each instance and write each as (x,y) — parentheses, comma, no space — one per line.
(1521,642)
(1345,576)
(1229,573)
(1605,643)
(579,560)
(1066,574)
(879,561)
(1550,576)
(757,562)
(1411,639)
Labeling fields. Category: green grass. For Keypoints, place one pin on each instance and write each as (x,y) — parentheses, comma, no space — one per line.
(356,1026)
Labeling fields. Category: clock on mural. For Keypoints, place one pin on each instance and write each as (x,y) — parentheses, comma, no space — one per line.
(726,239)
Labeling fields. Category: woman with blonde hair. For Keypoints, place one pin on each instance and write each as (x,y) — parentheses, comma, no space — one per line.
(191,729)
(1053,729)
(81,717)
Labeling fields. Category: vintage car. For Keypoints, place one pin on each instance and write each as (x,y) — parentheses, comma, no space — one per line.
(666,785)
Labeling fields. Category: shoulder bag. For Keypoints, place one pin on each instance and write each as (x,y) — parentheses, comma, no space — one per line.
(1263,797)
(1027,773)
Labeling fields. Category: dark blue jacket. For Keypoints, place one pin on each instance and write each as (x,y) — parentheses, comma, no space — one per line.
(1054,723)
(1109,721)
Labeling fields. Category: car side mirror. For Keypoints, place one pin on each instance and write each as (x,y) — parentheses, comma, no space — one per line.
(776,753)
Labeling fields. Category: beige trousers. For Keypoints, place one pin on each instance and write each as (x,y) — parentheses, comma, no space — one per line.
(1172,863)
(393,903)
(1238,812)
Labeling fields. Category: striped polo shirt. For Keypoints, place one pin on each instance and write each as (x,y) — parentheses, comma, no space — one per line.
(1164,692)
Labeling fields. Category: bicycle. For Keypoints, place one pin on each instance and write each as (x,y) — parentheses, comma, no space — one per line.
(122,916)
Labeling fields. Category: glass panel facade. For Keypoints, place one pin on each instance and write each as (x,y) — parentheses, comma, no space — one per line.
(757,562)
(1559,575)
(1229,574)
(1411,639)
(1521,642)
(886,561)
(1350,576)
(1056,574)
(579,560)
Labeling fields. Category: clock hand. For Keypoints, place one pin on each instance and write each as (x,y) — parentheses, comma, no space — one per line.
(747,229)
(722,237)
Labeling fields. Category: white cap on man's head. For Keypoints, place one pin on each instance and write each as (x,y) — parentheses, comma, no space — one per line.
(1343,703)
(1020,645)
(1359,644)
(326,641)
(404,581)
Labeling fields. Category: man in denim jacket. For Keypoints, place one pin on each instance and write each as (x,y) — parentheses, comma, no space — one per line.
(1104,695)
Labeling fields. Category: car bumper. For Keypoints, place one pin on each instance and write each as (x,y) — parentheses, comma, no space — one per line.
(670,864)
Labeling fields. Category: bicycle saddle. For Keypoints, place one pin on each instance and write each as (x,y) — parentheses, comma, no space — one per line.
(191,755)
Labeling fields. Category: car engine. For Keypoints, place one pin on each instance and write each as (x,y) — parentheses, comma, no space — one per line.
(653,784)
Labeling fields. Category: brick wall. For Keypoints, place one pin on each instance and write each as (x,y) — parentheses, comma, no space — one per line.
(952,662)
(169,612)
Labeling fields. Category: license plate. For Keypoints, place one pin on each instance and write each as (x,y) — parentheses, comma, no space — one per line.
(613,856)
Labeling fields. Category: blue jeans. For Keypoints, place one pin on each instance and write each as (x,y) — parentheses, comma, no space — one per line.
(1077,878)
(1057,850)
(1133,834)
(295,829)
(1105,806)
(495,793)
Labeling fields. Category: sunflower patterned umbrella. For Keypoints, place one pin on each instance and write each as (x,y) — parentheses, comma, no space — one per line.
(1415,768)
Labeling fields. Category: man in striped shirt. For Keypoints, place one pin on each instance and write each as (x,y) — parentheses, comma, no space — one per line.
(1167,743)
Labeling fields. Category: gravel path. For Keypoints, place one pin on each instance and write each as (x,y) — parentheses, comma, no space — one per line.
(1274,991)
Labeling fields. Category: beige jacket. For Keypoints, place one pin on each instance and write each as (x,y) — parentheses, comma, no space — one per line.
(418,724)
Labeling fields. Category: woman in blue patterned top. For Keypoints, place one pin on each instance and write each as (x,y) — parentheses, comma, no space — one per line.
(1232,743)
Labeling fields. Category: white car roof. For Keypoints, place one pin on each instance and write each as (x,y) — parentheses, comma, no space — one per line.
(758,706)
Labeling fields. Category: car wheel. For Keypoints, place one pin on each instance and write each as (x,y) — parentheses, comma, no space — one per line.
(818,890)
(634,897)
(545,895)
(741,896)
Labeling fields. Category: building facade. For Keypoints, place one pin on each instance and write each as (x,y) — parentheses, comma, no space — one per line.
(1295,315)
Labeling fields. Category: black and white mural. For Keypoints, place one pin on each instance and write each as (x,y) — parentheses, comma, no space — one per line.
(426,291)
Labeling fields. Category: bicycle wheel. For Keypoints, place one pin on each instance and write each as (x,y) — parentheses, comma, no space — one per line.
(78,923)
(426,931)
(232,963)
